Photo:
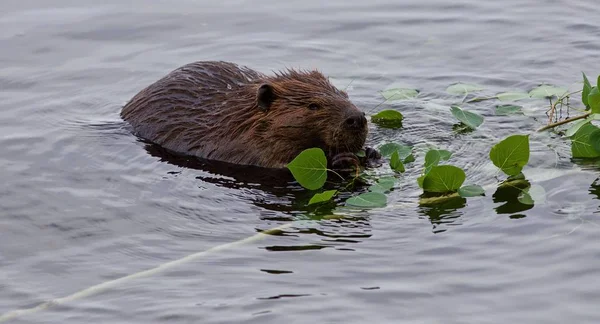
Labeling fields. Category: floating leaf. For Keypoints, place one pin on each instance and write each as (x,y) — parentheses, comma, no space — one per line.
(471,191)
(480,99)
(463,88)
(309,168)
(368,200)
(581,143)
(594,100)
(433,158)
(443,178)
(525,198)
(322,197)
(383,185)
(395,163)
(547,91)
(361,154)
(587,87)
(399,94)
(576,126)
(468,118)
(386,150)
(409,159)
(511,154)
(388,118)
(512,96)
(532,195)
(508,110)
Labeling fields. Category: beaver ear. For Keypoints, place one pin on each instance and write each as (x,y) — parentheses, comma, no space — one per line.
(265,97)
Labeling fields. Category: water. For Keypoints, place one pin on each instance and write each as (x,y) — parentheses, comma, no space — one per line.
(83,202)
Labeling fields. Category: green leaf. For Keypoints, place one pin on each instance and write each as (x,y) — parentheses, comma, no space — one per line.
(595,140)
(399,94)
(322,197)
(309,168)
(471,191)
(525,198)
(512,96)
(368,200)
(531,195)
(468,118)
(386,150)
(420,181)
(594,100)
(587,87)
(433,158)
(576,126)
(395,163)
(508,110)
(388,118)
(463,88)
(444,178)
(511,154)
(383,185)
(409,159)
(581,143)
(361,153)
(547,91)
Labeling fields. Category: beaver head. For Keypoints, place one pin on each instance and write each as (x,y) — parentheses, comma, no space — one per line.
(302,109)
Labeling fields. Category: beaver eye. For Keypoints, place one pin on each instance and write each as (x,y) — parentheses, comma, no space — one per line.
(313,106)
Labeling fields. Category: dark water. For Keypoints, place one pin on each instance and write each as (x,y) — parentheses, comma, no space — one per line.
(83,202)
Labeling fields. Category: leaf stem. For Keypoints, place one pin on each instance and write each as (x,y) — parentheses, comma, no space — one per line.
(337,174)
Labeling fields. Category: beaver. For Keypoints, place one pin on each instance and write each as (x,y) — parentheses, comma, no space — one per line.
(221,111)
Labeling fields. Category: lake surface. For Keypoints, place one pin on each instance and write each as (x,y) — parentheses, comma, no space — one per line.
(84,202)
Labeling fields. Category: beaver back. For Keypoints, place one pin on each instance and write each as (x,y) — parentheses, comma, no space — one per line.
(221,111)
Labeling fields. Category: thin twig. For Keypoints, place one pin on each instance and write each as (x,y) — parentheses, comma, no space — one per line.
(552,109)
(558,100)
(565,121)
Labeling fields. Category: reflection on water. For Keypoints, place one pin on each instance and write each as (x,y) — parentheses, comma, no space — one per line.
(508,195)
(444,212)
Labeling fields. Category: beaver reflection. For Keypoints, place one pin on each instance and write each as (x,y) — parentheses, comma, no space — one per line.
(240,175)
(280,199)
(223,112)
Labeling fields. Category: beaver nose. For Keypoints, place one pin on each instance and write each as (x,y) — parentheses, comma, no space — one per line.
(356,121)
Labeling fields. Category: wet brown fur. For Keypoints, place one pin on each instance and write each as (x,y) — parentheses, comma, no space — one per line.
(211,110)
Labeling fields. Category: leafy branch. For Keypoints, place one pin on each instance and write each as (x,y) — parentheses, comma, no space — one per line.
(445,181)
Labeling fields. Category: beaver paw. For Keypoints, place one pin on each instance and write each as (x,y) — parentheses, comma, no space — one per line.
(345,162)
(372,154)
(372,158)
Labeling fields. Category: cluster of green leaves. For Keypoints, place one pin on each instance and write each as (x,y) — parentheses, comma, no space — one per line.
(510,155)
(468,120)
(585,136)
(590,96)
(309,168)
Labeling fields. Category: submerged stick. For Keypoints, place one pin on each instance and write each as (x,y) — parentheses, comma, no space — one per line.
(145,273)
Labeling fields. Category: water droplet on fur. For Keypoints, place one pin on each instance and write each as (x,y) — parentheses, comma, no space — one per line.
(229,86)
